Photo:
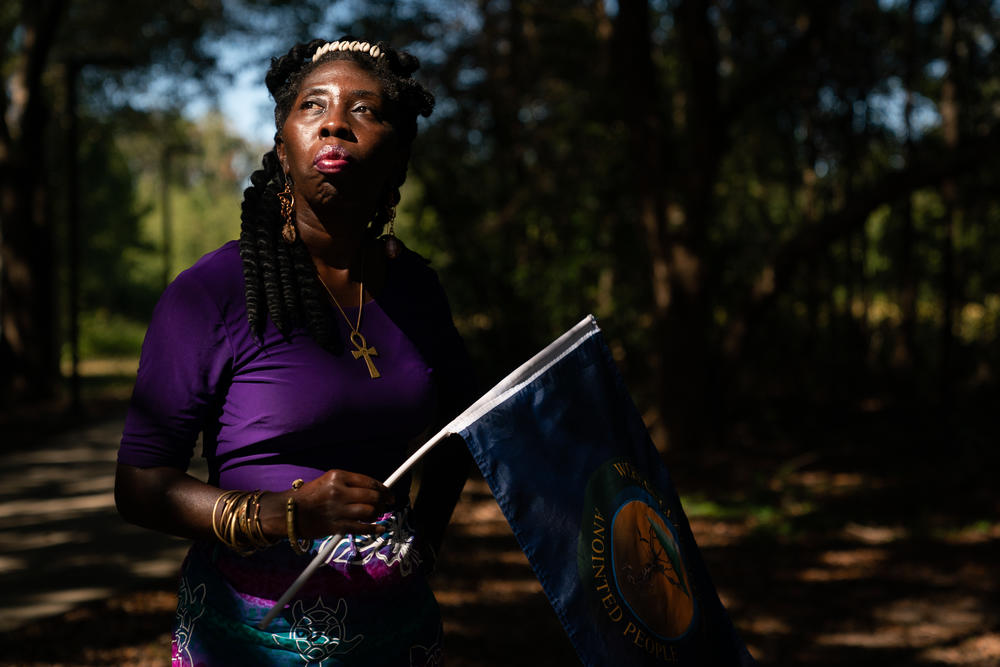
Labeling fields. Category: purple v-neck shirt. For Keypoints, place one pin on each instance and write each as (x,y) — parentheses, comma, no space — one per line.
(278,408)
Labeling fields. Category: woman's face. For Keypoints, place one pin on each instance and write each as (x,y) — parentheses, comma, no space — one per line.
(338,144)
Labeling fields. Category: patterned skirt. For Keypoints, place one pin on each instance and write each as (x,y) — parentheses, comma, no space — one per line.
(369,605)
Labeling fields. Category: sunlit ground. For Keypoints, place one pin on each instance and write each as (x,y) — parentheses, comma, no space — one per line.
(858,552)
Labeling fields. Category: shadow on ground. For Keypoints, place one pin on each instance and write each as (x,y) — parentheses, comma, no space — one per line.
(876,543)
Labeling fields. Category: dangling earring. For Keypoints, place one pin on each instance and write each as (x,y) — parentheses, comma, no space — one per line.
(392,245)
(287,199)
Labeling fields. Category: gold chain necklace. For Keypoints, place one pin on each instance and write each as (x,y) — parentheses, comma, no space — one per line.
(361,348)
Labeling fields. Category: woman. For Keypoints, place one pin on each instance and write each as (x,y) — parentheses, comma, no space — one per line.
(309,356)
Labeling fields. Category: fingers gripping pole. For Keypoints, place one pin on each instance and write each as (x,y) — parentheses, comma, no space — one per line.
(329,545)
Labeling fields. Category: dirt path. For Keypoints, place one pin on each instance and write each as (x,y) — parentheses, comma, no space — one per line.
(833,557)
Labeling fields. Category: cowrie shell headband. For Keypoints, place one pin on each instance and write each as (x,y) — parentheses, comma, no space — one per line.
(361,47)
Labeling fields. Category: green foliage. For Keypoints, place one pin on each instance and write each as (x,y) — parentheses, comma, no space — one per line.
(125,266)
(106,334)
(112,254)
(204,168)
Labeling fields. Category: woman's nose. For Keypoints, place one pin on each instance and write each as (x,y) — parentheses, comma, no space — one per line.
(337,124)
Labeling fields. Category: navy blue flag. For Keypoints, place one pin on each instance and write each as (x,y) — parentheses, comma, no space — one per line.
(569,460)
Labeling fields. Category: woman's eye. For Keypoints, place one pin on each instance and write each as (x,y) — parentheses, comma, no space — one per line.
(368,108)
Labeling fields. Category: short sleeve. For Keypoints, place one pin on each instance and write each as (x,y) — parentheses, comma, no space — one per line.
(186,360)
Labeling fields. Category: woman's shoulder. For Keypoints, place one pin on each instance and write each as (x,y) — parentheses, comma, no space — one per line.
(216,276)
(413,296)
(220,264)
(416,301)
(410,270)
(219,270)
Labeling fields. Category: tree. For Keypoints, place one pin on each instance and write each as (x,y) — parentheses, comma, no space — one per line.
(111,56)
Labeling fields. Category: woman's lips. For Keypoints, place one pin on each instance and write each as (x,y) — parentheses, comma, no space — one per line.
(331,159)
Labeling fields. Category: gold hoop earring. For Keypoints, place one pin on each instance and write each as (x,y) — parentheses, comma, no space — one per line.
(287,199)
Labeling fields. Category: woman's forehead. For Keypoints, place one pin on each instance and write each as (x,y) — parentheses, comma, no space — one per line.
(342,73)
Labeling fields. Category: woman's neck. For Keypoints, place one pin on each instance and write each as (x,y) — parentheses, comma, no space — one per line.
(337,249)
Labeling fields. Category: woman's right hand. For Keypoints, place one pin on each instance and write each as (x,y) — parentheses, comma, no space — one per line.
(339,502)
(169,500)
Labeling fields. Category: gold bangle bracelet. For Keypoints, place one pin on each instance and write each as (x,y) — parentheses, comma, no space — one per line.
(225,497)
(237,524)
(298,547)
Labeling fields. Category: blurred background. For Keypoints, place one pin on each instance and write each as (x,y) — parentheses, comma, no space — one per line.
(784,216)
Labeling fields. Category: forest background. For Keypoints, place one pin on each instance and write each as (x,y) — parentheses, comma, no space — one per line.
(781,213)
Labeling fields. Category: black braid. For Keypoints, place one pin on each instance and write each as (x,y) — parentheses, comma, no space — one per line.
(280,278)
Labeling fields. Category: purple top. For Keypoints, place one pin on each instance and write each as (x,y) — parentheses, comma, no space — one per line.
(276,409)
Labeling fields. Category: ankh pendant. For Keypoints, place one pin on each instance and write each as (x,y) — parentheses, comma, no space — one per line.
(362,350)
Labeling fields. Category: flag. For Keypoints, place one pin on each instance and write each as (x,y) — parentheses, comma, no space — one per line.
(570,462)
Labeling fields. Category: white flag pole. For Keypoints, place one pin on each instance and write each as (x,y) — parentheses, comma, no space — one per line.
(332,542)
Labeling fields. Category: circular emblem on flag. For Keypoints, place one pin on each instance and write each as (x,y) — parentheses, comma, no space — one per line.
(630,560)
(649,571)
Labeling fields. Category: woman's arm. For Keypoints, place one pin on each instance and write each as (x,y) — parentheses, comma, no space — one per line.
(444,471)
(171,501)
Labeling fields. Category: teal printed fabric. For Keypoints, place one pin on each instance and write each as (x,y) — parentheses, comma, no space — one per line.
(370,604)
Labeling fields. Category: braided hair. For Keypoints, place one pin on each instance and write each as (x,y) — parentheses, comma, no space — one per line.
(279,278)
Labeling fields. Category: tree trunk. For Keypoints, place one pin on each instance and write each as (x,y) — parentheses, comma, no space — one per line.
(949,191)
(904,351)
(29,346)
(674,231)
(633,75)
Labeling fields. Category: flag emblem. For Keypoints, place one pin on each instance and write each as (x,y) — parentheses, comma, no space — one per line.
(630,562)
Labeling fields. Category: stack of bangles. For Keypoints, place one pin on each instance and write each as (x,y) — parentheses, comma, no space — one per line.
(238,524)
(298,547)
